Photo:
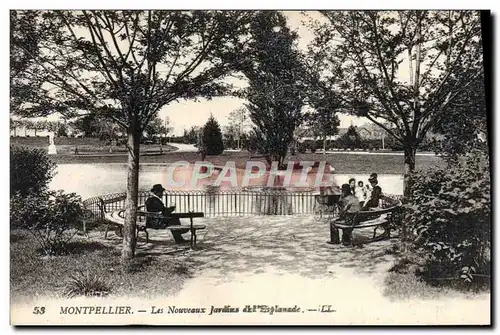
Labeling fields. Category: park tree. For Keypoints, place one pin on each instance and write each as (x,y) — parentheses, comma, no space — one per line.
(127,65)
(191,136)
(464,125)
(14,124)
(276,91)
(212,138)
(323,98)
(303,130)
(377,132)
(62,129)
(87,124)
(25,35)
(323,121)
(230,134)
(405,68)
(238,124)
(17,123)
(94,125)
(351,139)
(169,128)
(37,125)
(156,127)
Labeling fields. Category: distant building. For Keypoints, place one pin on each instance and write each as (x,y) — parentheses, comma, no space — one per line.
(38,127)
(25,131)
(341,132)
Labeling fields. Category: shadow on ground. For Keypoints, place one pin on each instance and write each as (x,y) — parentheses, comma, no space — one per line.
(252,245)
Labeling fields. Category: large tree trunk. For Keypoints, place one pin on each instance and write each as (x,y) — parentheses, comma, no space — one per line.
(324,145)
(409,167)
(129,236)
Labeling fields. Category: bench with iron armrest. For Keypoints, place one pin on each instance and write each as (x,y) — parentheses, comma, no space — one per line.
(102,204)
(117,218)
(151,217)
(378,218)
(143,216)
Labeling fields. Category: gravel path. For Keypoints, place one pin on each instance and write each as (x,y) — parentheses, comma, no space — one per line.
(285,261)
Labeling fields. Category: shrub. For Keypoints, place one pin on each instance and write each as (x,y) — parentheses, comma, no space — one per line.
(51,217)
(302,148)
(318,144)
(86,284)
(372,144)
(309,145)
(252,144)
(30,170)
(450,216)
(62,130)
(392,144)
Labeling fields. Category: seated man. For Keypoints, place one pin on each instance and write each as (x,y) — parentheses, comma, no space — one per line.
(375,194)
(349,205)
(155,204)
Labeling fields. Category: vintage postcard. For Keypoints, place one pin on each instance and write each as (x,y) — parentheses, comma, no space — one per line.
(207,167)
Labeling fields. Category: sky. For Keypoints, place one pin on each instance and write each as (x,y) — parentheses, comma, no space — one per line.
(185,114)
(188,113)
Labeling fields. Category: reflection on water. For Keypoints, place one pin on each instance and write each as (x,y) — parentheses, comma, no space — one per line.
(89,180)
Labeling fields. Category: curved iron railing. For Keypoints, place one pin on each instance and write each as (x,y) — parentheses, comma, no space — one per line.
(215,202)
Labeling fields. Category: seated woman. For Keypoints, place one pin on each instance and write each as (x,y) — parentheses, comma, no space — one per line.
(376,193)
(155,204)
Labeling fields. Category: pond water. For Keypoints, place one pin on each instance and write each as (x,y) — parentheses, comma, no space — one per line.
(90,180)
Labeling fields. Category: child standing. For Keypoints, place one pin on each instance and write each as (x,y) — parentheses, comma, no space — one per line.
(360,192)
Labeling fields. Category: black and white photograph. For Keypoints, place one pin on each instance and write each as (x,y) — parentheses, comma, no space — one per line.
(250,167)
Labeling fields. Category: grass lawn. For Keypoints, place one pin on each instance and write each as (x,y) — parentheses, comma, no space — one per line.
(86,146)
(343,163)
(89,149)
(32,274)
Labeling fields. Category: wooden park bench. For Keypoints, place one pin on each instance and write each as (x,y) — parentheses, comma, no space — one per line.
(192,227)
(377,218)
(104,210)
(118,218)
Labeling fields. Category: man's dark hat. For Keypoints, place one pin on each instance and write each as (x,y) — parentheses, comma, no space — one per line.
(157,188)
(346,187)
(373,179)
(373,176)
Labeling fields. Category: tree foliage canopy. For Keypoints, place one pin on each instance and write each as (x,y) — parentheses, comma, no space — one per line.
(465,123)
(276,92)
(404,67)
(126,65)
